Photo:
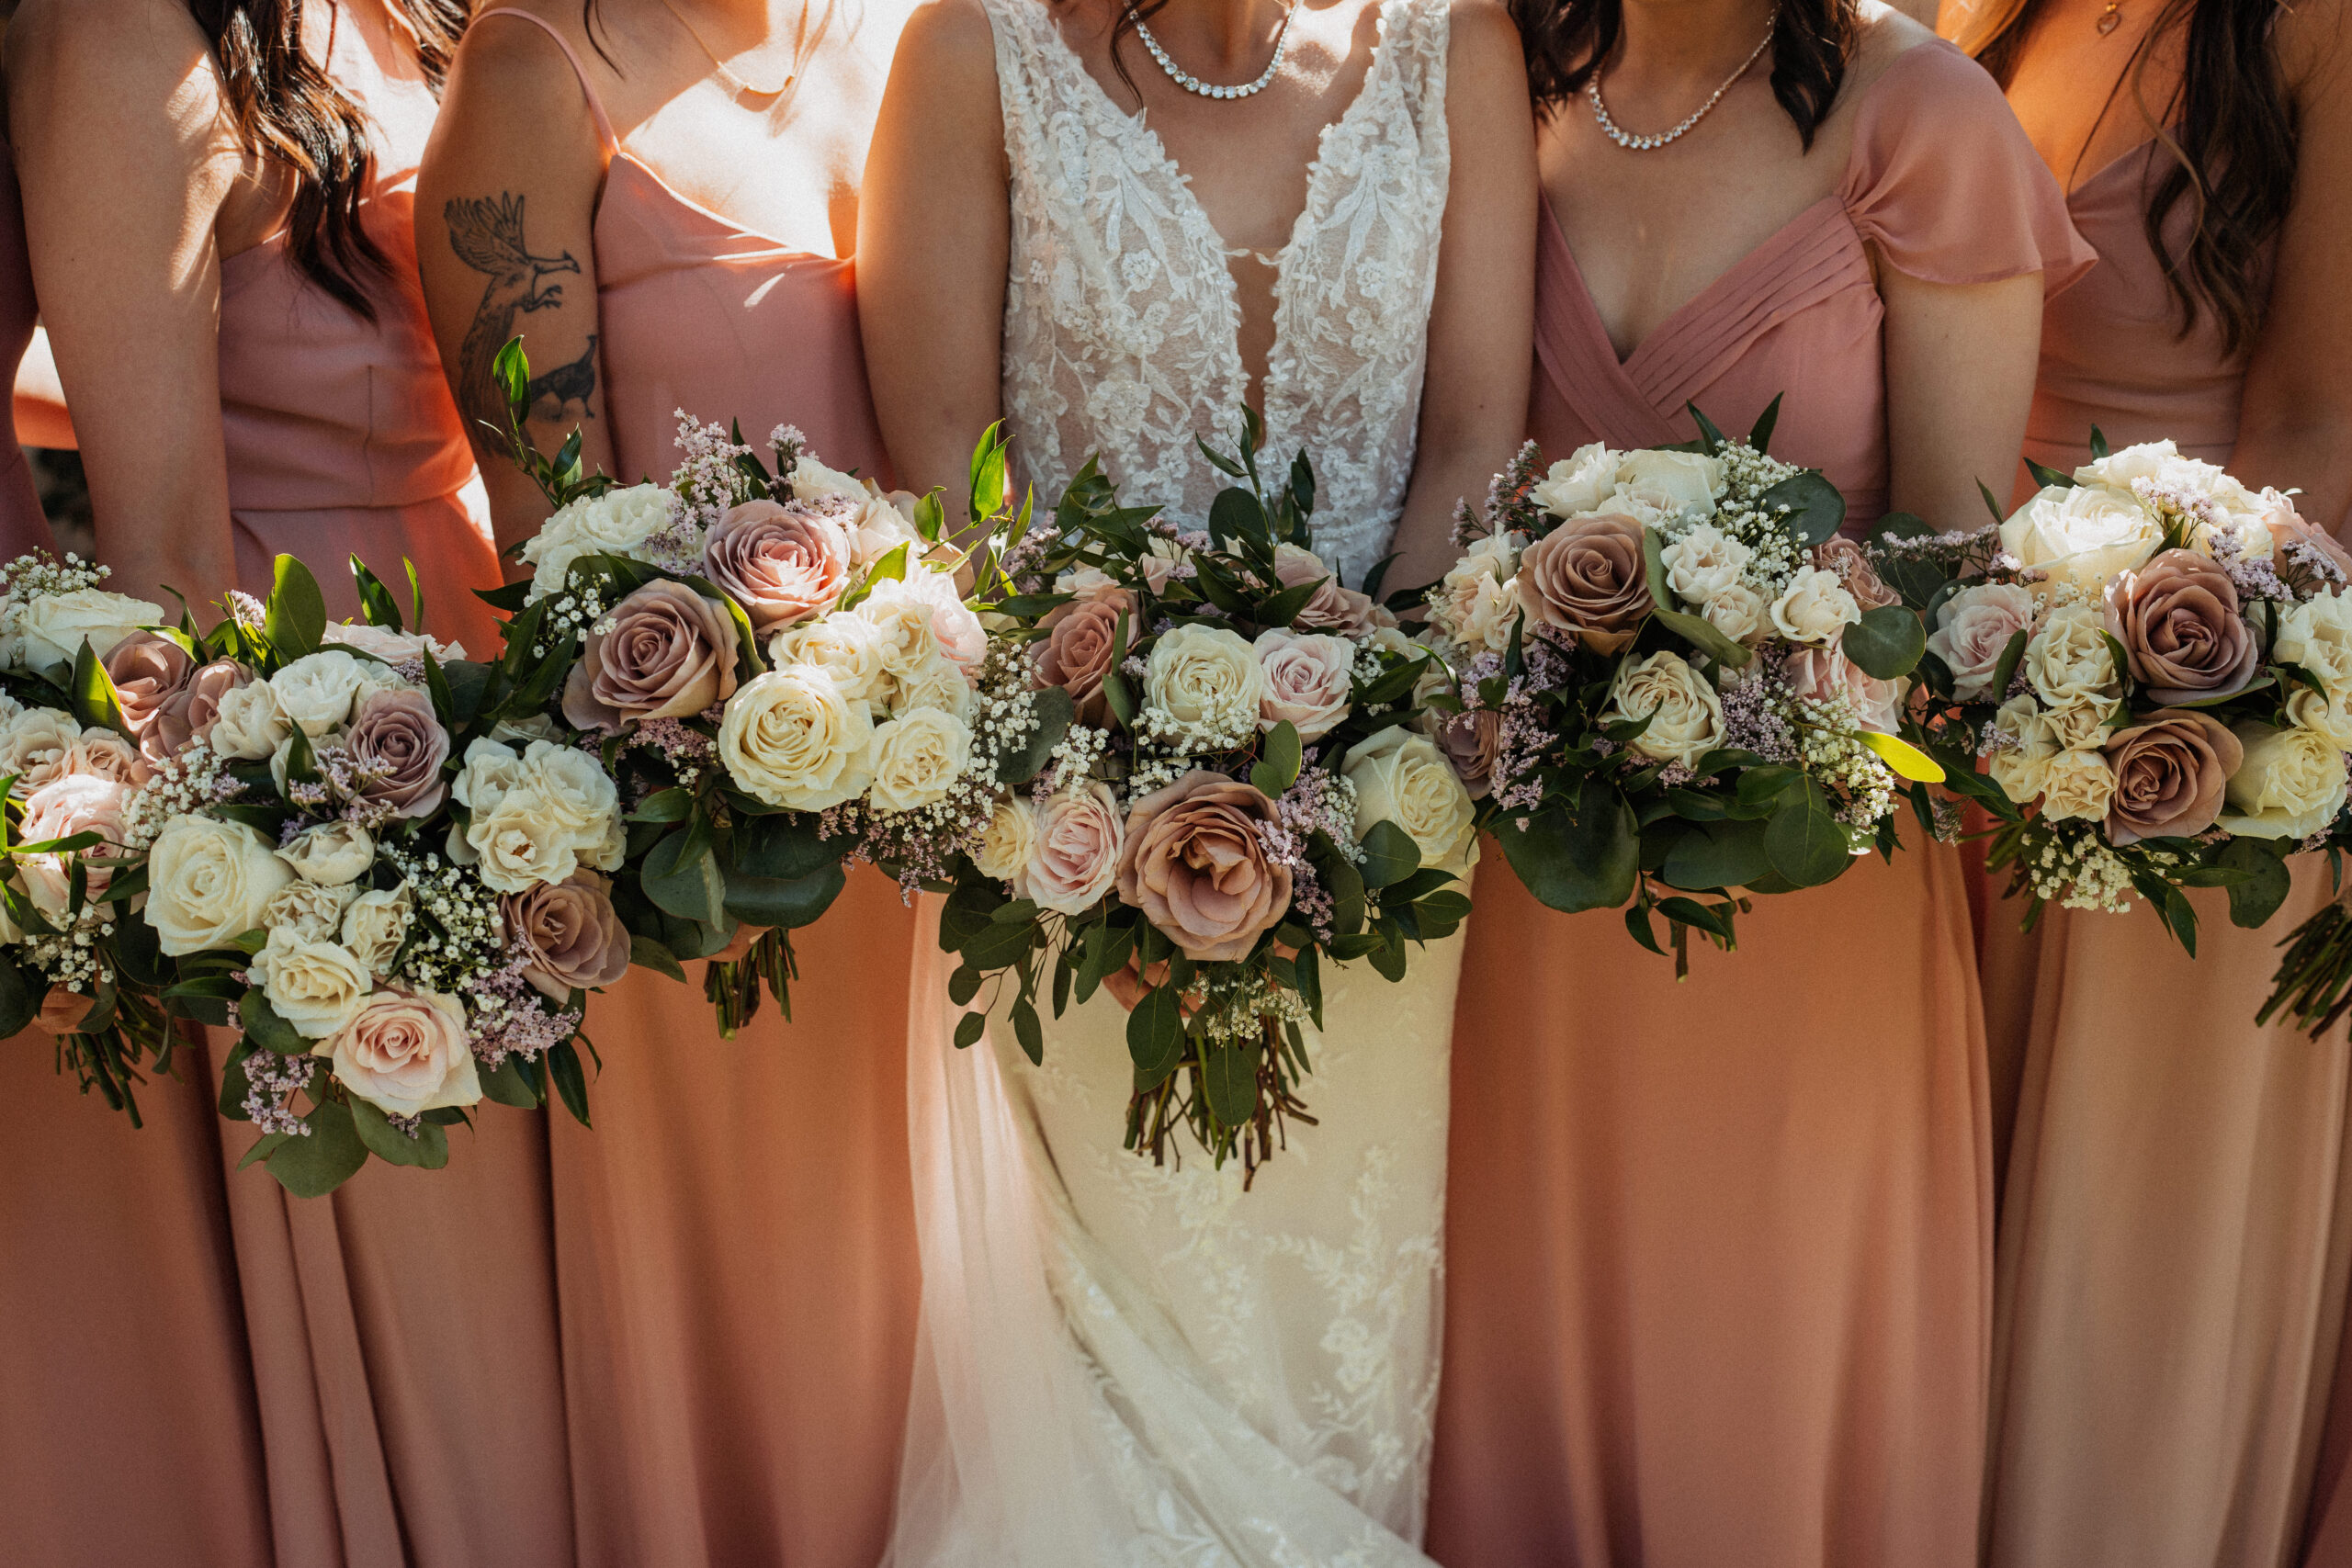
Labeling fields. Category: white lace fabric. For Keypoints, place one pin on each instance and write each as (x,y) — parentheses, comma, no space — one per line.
(1121,315)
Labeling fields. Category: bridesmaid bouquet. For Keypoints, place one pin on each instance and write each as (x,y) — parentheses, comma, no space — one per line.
(260,822)
(1673,682)
(2154,666)
(1220,782)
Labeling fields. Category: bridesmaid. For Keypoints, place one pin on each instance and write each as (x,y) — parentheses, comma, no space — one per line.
(1720,1252)
(218,195)
(2175,1224)
(735,1240)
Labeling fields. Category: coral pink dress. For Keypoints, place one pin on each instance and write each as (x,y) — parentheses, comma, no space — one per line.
(2177,1221)
(1719,1254)
(737,1235)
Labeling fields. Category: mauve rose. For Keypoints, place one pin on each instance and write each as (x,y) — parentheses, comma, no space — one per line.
(1826,673)
(1852,565)
(671,654)
(189,716)
(1196,867)
(1329,608)
(395,730)
(1587,578)
(1075,857)
(1310,681)
(149,671)
(1974,628)
(782,564)
(1469,741)
(2172,769)
(2178,620)
(1076,653)
(569,933)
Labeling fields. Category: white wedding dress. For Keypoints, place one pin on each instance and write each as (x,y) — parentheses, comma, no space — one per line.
(1121,1364)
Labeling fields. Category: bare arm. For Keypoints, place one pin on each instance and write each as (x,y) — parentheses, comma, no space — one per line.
(505,217)
(933,240)
(1961,360)
(1482,327)
(2293,424)
(127,162)
(42,418)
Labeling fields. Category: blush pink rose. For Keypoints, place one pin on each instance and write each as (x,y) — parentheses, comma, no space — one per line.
(1974,628)
(1197,866)
(1330,608)
(150,672)
(1310,681)
(405,1052)
(2294,539)
(781,563)
(1586,579)
(395,735)
(569,934)
(669,654)
(961,637)
(1852,564)
(1076,857)
(2178,619)
(2172,769)
(76,803)
(1825,674)
(1076,653)
(190,717)
(1470,741)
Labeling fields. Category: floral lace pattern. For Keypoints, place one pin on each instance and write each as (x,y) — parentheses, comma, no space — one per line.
(1121,316)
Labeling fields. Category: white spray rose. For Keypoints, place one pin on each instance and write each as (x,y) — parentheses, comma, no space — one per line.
(1704,562)
(1578,484)
(616,523)
(2317,634)
(252,723)
(317,690)
(791,738)
(1816,607)
(940,685)
(1685,713)
(1739,612)
(309,910)
(2290,786)
(2078,784)
(317,987)
(209,883)
(1205,675)
(331,854)
(2022,767)
(33,748)
(846,647)
(916,759)
(813,481)
(2069,663)
(1008,839)
(1659,486)
(1400,776)
(376,925)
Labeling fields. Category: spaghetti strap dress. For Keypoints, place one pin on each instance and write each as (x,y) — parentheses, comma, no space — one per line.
(1718,1284)
(735,1237)
(2177,1214)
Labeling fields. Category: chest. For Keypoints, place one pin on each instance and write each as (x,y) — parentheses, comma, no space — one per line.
(2078,93)
(1652,231)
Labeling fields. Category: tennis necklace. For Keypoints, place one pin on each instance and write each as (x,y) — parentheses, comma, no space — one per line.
(1631,143)
(1192,83)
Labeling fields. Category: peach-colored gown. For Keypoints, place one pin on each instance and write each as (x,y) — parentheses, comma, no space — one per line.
(736,1236)
(2177,1221)
(1719,1254)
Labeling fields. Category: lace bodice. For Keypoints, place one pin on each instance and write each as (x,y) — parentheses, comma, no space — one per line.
(1121,316)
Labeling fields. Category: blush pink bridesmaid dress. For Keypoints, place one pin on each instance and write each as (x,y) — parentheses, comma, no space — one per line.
(735,1237)
(1719,1253)
(122,1350)
(2177,1215)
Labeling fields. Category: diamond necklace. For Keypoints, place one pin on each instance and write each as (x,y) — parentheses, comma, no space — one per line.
(1192,83)
(1631,143)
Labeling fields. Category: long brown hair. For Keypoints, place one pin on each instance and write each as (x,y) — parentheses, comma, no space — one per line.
(1567,41)
(289,110)
(2229,129)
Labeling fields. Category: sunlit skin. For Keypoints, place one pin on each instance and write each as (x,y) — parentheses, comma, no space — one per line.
(514,123)
(41,416)
(2298,398)
(933,242)
(135,189)
(1651,230)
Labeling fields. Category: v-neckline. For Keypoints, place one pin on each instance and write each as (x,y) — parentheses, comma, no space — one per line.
(1195,216)
(622,154)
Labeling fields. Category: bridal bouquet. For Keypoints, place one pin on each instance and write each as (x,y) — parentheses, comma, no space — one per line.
(1673,681)
(257,823)
(2154,666)
(1219,783)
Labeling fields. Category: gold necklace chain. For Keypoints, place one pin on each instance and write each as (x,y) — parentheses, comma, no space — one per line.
(741,87)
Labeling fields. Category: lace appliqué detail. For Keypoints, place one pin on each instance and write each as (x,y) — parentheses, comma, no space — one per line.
(1121,318)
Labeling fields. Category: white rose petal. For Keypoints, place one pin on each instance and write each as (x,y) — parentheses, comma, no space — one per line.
(331,854)
(790,738)
(1203,675)
(2084,536)
(209,883)
(917,759)
(616,523)
(1400,776)
(49,630)
(1685,712)
(317,987)
(1814,608)
(2290,786)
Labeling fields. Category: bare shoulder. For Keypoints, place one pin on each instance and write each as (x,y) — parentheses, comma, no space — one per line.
(2315,48)
(1484,40)
(97,56)
(1883,35)
(948,39)
(508,58)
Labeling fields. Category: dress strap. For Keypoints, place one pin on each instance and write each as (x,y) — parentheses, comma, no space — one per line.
(595,107)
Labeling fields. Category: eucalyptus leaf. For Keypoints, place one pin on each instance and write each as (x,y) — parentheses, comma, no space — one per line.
(1156,1036)
(682,877)
(1389,854)
(790,905)
(1055,712)
(315,1166)
(1229,1075)
(1887,642)
(1815,508)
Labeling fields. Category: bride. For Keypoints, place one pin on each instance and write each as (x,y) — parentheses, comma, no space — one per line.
(1109,227)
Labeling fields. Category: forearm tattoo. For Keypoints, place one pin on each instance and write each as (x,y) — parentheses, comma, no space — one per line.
(486,233)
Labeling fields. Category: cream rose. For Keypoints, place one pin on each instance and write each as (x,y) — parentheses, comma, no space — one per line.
(1478,601)
(1739,612)
(792,740)
(2079,727)
(519,842)
(1816,607)
(616,523)
(375,926)
(927,600)
(209,883)
(311,910)
(392,647)
(1400,776)
(811,480)
(940,685)
(405,1052)
(1973,631)
(2069,663)
(1075,858)
(1578,482)
(917,759)
(49,630)
(317,987)
(846,647)
(317,690)
(579,793)
(1310,681)
(2078,784)
(2022,766)
(2083,535)
(33,747)
(252,723)
(1008,840)
(2317,634)
(1685,713)
(2289,786)
(1703,564)
(1665,484)
(1205,675)
(331,854)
